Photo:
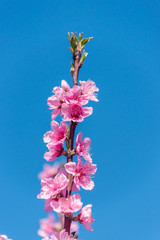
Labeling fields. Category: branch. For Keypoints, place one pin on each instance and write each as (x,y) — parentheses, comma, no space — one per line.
(76,59)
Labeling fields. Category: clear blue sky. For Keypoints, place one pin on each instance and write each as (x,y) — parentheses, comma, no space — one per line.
(124,61)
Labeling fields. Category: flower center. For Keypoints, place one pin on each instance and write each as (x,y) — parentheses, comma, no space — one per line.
(76,111)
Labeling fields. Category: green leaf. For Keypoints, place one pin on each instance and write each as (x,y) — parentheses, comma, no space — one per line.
(69,38)
(84,55)
(68,143)
(85,41)
(68,131)
(77,43)
(73,42)
(80,36)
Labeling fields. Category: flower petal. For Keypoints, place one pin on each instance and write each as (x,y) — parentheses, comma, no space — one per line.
(70,168)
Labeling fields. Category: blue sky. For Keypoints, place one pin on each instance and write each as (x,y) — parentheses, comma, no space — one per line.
(123,60)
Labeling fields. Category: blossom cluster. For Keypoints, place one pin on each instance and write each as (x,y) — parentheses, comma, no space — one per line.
(69,104)
(62,236)
(49,226)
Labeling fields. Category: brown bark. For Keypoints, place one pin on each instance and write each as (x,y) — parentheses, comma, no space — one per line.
(76,59)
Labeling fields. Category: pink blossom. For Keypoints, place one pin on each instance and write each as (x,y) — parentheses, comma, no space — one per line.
(4,237)
(46,226)
(82,147)
(48,171)
(85,217)
(58,133)
(63,236)
(71,205)
(52,187)
(80,173)
(88,89)
(75,112)
(49,203)
(76,94)
(63,170)
(55,151)
(55,102)
(49,226)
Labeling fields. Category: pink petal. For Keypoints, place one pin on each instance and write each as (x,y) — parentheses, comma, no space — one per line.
(89,168)
(63,125)
(76,203)
(47,137)
(55,206)
(50,156)
(76,181)
(86,182)
(55,113)
(87,226)
(65,85)
(79,138)
(54,125)
(86,142)
(63,205)
(65,108)
(87,157)
(64,235)
(53,102)
(60,181)
(70,167)
(47,206)
(87,111)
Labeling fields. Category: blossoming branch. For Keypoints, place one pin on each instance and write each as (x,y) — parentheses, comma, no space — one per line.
(61,185)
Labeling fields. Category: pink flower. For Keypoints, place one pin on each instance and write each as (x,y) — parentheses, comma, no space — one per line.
(80,173)
(82,147)
(75,94)
(52,202)
(46,226)
(58,133)
(88,89)
(75,112)
(55,151)
(51,188)
(55,102)
(4,237)
(63,236)
(48,171)
(74,188)
(71,205)
(85,217)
